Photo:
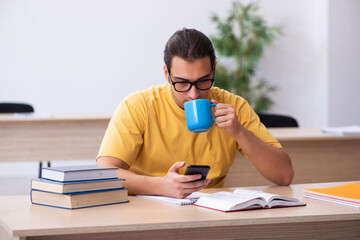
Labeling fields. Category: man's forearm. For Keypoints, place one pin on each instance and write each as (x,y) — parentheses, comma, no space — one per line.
(273,163)
(140,184)
(137,184)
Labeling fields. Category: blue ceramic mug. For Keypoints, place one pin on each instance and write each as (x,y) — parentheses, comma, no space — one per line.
(198,115)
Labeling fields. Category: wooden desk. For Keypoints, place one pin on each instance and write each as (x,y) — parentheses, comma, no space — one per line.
(317,157)
(47,138)
(149,219)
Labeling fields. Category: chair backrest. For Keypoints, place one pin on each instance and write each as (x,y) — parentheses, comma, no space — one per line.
(275,120)
(16,108)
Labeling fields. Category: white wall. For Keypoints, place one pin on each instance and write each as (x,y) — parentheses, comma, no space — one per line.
(70,56)
(344,62)
(84,56)
(297,63)
(80,56)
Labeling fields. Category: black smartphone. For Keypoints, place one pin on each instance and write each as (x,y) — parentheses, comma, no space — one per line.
(198,169)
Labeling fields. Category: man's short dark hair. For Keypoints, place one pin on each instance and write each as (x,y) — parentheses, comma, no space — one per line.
(188,44)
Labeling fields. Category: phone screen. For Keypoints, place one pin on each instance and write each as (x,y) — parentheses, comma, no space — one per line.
(198,169)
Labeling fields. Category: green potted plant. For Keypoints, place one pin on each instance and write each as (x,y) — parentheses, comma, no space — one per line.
(242,36)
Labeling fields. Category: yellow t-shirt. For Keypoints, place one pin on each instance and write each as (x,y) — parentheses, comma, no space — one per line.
(148,131)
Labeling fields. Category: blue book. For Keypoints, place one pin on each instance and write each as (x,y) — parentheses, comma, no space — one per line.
(75,186)
(78,173)
(79,199)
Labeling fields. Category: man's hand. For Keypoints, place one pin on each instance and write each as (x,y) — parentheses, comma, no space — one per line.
(176,185)
(172,184)
(226,118)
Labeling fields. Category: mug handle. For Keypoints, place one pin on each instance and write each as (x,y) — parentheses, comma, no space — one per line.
(213,105)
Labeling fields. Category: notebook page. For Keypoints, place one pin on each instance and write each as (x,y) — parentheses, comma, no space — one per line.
(192,198)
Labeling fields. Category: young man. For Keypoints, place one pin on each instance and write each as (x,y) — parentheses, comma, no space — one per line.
(147,137)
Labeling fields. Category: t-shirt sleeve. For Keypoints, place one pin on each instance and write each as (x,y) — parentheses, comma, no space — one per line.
(124,135)
(246,116)
(251,121)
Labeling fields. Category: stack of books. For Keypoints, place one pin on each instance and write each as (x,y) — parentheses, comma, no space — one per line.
(74,187)
(346,194)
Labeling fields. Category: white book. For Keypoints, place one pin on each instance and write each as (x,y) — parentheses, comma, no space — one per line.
(244,199)
(75,186)
(78,173)
(79,199)
(343,131)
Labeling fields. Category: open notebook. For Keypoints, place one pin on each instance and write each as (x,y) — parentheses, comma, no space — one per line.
(191,199)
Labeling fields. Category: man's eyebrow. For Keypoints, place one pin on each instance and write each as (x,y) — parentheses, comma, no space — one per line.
(184,79)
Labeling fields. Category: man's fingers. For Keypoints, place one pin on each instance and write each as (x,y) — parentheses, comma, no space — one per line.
(222,120)
(196,186)
(190,187)
(224,112)
(190,178)
(176,166)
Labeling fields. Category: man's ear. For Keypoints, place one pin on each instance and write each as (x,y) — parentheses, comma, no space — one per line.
(166,74)
(214,67)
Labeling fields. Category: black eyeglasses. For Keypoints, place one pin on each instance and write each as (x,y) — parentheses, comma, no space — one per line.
(202,85)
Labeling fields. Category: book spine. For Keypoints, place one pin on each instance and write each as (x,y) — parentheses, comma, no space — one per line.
(80,207)
(86,192)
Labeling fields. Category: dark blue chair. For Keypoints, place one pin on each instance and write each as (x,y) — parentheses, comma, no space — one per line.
(16,108)
(277,121)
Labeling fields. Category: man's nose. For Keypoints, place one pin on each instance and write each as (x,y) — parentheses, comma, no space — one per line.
(193,93)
